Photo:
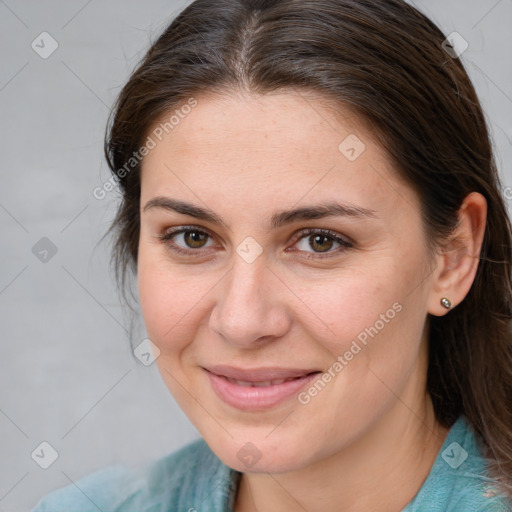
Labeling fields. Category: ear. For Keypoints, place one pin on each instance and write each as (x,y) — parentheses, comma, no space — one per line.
(457,261)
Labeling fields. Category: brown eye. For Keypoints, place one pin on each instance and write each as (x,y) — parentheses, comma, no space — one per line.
(195,239)
(187,241)
(321,243)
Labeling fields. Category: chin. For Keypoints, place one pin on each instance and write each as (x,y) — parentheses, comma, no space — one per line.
(278,455)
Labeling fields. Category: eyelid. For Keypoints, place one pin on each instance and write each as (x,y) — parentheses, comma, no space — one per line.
(345,243)
(167,235)
(338,237)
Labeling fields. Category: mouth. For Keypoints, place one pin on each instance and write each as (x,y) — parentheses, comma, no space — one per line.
(257,389)
(264,383)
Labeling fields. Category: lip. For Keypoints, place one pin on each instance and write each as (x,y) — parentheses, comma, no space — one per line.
(257,398)
(259,374)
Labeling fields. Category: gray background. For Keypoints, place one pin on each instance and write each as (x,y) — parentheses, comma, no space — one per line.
(66,372)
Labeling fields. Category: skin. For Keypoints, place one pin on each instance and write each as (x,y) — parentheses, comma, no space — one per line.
(245,157)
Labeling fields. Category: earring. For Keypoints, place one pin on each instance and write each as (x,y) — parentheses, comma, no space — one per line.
(446,303)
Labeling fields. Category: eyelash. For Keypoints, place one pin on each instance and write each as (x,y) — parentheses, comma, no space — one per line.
(166,238)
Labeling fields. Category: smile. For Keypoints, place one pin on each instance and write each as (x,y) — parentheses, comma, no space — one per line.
(253,393)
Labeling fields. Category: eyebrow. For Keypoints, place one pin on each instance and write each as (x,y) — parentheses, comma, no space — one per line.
(278,219)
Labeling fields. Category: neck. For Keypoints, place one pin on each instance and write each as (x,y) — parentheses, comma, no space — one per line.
(383,470)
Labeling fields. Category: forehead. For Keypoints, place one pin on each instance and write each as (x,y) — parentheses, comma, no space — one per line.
(261,122)
(277,147)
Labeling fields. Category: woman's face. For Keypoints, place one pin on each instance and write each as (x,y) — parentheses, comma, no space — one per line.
(258,286)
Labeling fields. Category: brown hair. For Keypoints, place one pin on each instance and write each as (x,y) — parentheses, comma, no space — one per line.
(385,61)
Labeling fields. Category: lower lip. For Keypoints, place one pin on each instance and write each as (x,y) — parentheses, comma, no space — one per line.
(256,398)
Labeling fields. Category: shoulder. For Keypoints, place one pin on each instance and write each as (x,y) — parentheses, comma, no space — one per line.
(183,480)
(458,480)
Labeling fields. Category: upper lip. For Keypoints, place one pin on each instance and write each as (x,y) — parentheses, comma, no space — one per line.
(258,374)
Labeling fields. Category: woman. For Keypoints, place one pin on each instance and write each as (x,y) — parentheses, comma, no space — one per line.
(312,209)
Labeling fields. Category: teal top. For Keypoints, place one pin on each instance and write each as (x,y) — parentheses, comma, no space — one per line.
(194,479)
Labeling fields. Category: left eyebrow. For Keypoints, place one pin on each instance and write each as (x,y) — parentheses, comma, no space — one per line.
(319,212)
(277,220)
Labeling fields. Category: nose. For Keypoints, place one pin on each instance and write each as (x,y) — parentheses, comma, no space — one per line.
(252,305)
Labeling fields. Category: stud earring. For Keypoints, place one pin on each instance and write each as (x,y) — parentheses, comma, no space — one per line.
(446,303)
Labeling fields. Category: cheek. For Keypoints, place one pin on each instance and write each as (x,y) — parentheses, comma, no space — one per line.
(170,300)
(370,317)
(342,306)
(377,325)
